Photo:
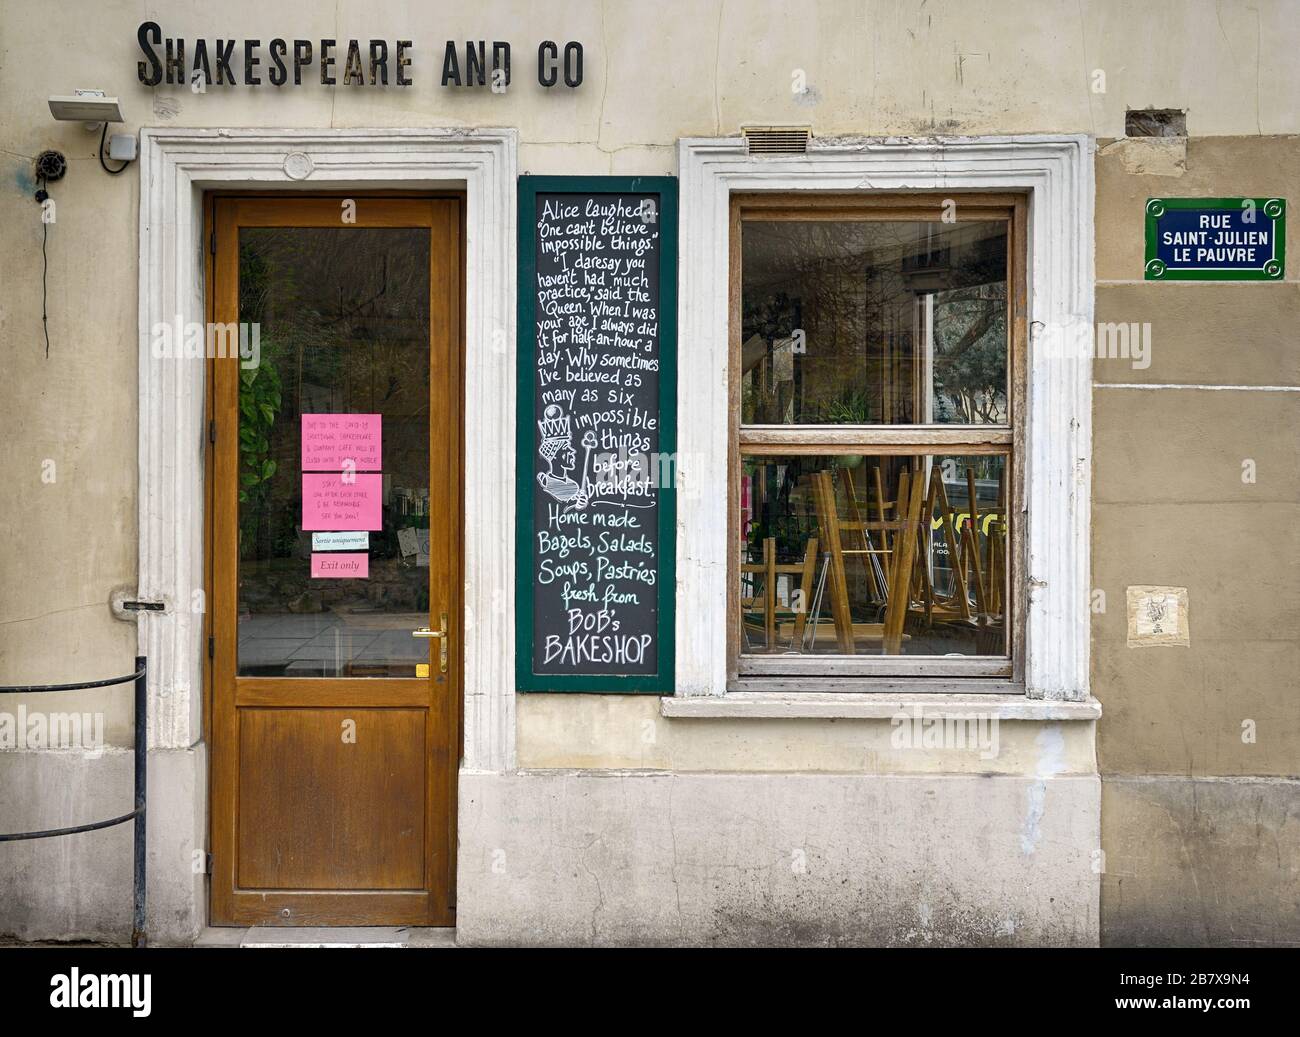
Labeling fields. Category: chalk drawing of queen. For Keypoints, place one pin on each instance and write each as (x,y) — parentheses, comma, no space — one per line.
(556,449)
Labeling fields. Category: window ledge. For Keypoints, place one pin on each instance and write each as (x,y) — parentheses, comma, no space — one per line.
(875,706)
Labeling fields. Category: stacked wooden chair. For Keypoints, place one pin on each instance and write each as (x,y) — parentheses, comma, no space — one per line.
(780,623)
(895,557)
(890,540)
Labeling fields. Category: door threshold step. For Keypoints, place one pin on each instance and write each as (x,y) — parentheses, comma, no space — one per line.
(268,936)
(324,936)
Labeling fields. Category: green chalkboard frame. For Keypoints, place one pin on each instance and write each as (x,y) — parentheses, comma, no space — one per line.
(662,682)
(1274,269)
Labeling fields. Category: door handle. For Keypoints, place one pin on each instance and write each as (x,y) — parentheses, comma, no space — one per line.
(442,636)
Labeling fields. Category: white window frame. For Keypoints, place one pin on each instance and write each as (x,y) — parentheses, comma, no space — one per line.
(1055,171)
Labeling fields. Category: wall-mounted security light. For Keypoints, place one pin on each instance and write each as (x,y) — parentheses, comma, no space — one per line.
(96,110)
(92,107)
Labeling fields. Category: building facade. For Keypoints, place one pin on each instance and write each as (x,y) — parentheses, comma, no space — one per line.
(827,511)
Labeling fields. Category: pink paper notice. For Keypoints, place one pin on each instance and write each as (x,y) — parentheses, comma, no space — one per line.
(338,565)
(329,503)
(335,442)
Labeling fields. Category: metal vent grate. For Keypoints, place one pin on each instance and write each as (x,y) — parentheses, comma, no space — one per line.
(776,140)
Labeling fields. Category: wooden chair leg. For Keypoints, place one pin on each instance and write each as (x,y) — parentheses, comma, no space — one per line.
(972,558)
(882,518)
(917,585)
(769,592)
(925,545)
(829,521)
(904,555)
(997,551)
(805,591)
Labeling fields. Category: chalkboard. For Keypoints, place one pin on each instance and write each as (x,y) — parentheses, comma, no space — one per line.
(596,522)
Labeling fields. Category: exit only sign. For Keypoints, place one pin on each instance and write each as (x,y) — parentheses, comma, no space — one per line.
(1215,239)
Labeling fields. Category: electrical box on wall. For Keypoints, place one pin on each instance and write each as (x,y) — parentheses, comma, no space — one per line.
(122,147)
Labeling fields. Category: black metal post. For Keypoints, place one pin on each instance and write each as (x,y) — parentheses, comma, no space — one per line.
(141,763)
(141,679)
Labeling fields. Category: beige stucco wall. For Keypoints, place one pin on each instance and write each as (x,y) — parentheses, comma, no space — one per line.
(653,73)
(628,732)
(1199,818)
(1169,506)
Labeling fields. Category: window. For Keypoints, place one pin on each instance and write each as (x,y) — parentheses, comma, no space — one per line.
(877,394)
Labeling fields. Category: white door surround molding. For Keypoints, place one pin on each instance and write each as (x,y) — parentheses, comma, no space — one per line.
(176,166)
(1056,171)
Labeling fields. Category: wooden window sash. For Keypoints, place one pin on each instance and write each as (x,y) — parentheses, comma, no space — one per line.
(873,439)
(755,440)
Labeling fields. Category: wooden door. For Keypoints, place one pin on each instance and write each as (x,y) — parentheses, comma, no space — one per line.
(334,541)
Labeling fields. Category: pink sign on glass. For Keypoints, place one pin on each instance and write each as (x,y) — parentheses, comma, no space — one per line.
(330,503)
(338,442)
(340,566)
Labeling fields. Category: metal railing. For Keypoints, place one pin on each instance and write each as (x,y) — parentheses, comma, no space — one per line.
(140,677)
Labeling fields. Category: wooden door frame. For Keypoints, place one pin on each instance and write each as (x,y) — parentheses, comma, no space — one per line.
(443,914)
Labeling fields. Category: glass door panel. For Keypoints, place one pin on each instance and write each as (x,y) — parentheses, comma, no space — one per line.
(333,499)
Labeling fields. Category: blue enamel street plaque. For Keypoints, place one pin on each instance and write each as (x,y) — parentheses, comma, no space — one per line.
(1215,239)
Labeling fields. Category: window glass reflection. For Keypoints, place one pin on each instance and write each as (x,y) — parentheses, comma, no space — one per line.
(343,318)
(873,322)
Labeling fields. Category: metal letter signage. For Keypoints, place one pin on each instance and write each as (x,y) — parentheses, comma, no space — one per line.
(284,61)
(1215,239)
(596,527)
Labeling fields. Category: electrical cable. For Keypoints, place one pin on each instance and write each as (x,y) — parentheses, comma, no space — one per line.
(50,167)
(45,315)
(41,196)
